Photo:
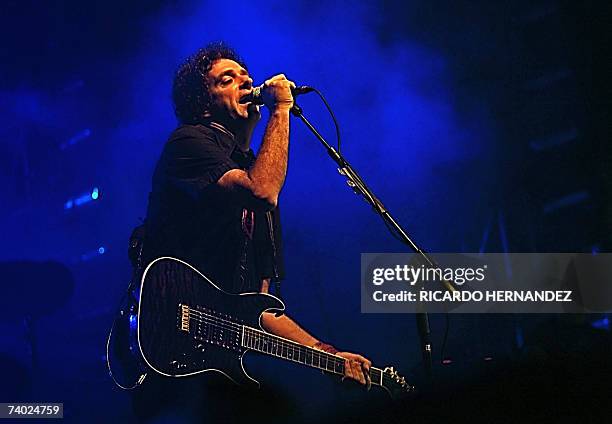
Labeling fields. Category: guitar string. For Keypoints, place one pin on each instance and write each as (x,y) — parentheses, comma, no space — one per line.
(235,327)
(228,324)
(283,344)
(225,323)
(232,326)
(337,361)
(217,323)
(254,333)
(210,319)
(316,356)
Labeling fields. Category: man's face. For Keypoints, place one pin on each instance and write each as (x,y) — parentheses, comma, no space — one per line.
(228,82)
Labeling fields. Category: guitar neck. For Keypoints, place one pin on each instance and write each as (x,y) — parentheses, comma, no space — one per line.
(280,347)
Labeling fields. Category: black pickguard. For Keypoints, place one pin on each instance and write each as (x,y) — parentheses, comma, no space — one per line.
(174,351)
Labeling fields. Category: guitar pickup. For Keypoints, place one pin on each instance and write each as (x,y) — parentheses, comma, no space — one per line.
(184,314)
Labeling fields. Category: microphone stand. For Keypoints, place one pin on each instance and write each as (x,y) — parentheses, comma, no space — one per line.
(359,187)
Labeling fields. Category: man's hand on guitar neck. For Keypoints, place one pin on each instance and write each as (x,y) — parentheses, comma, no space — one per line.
(357,367)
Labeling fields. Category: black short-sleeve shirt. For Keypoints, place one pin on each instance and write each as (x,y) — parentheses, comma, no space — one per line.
(191,218)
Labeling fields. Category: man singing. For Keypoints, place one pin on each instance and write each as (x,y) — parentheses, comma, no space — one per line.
(214,203)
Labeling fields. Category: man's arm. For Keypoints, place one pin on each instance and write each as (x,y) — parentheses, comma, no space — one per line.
(357,366)
(260,185)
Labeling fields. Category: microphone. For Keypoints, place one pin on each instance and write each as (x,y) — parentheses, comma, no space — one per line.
(256,96)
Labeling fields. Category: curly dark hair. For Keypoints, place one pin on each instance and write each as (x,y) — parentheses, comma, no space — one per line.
(190,89)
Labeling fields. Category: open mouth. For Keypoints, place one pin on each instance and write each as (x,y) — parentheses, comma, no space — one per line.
(246,99)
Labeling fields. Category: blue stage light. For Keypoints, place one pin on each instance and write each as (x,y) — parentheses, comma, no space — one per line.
(92,254)
(84,198)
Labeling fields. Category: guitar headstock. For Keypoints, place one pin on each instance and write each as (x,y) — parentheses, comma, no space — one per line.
(395,384)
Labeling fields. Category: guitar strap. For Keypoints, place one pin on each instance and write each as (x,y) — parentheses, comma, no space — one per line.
(276,278)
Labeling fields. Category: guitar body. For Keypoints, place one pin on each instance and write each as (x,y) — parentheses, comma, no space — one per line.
(187,325)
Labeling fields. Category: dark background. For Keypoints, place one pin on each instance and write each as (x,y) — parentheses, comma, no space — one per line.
(482,126)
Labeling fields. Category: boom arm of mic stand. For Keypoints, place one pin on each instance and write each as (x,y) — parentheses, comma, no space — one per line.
(359,187)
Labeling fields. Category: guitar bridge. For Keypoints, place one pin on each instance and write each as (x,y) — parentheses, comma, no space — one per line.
(184,317)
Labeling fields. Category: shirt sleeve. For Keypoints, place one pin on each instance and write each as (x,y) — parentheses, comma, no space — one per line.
(195,160)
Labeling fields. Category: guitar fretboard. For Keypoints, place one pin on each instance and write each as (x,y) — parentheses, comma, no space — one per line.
(270,344)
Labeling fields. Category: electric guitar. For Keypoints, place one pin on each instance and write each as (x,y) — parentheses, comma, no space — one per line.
(182,324)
